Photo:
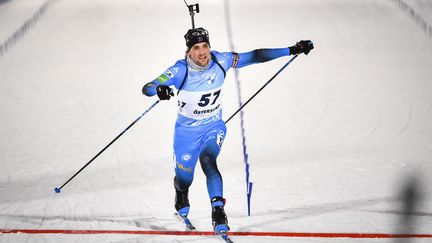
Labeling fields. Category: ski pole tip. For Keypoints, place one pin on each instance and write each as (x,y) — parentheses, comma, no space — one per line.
(57,190)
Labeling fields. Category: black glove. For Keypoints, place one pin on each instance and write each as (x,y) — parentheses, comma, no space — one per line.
(304,46)
(164,92)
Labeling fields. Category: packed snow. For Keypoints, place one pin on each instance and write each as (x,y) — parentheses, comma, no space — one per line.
(334,142)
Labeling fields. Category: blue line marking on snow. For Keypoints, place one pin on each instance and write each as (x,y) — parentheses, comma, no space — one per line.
(243,133)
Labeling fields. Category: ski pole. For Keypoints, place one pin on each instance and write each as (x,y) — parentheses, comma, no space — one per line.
(256,93)
(58,189)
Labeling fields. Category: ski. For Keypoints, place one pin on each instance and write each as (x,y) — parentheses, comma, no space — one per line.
(223,234)
(186,221)
(222,231)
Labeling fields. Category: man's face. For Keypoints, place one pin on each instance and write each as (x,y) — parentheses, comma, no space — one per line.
(200,53)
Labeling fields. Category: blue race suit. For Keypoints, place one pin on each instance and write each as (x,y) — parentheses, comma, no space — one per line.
(199,129)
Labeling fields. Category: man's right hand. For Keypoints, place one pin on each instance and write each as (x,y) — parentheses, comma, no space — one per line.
(164,92)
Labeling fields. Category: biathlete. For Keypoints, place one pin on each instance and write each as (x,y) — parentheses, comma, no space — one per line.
(199,129)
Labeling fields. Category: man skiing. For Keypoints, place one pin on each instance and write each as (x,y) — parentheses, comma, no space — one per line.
(199,129)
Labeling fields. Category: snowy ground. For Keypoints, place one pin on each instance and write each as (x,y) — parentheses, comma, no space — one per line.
(333,141)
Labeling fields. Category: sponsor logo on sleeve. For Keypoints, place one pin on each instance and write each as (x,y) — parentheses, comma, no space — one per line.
(169,74)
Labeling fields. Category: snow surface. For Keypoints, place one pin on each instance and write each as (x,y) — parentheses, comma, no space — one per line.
(332,141)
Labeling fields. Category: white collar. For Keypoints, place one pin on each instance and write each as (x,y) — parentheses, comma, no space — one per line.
(195,66)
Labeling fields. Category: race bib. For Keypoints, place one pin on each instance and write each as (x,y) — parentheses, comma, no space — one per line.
(200,105)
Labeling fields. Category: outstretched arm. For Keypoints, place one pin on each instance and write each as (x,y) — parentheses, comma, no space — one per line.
(150,88)
(261,55)
(264,55)
(161,84)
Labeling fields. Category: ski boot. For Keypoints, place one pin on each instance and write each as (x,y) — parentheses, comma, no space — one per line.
(182,207)
(219,218)
(182,203)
